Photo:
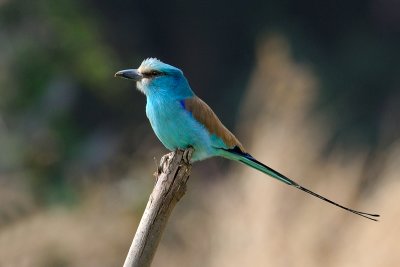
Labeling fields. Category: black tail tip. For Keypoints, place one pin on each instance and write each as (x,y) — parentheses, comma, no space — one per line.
(369,215)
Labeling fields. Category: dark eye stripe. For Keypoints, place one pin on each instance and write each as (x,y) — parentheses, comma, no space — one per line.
(152,73)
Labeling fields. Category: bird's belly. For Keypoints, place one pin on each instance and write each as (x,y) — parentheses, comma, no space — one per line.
(177,129)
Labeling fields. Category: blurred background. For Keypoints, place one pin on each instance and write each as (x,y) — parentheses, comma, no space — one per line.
(311,88)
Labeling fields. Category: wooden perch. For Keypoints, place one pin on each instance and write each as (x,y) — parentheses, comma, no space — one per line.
(172,175)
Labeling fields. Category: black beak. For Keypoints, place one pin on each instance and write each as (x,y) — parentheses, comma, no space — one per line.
(131,74)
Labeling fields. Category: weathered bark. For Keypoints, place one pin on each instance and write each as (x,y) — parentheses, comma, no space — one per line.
(172,175)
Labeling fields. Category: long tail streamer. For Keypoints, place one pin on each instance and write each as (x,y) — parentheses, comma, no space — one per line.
(252,162)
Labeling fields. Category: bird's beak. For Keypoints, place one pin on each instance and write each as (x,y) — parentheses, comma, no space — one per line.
(131,74)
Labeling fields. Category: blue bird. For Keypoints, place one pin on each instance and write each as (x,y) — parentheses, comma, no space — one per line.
(180,120)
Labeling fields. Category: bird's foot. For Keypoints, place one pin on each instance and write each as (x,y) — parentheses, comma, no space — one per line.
(187,154)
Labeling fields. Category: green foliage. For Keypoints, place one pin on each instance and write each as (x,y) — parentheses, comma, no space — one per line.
(54,52)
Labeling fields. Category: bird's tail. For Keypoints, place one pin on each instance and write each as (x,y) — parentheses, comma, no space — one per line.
(245,158)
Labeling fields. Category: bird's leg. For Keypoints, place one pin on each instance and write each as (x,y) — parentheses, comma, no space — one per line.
(187,154)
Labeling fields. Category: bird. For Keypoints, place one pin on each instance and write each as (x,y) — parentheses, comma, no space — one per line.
(180,120)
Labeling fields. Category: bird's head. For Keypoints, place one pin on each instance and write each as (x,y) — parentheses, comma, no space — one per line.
(156,77)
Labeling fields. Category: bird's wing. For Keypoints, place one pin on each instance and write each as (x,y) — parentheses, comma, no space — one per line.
(204,114)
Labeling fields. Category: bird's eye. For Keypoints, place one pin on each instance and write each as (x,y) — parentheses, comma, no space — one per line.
(152,73)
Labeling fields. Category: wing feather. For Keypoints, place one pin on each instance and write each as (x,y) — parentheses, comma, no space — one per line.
(204,114)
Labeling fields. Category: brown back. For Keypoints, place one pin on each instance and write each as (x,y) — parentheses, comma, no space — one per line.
(204,114)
